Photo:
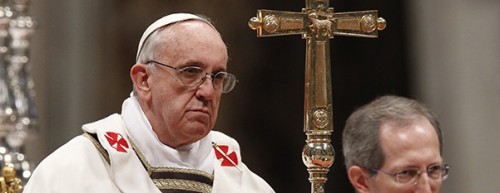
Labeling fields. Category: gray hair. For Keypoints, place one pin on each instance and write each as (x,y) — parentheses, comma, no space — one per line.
(360,138)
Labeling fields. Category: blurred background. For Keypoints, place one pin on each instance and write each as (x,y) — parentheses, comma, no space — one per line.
(443,53)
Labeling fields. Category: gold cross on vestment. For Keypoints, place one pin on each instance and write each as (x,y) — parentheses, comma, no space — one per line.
(317,23)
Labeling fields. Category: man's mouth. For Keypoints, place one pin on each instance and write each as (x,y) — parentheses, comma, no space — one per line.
(200,110)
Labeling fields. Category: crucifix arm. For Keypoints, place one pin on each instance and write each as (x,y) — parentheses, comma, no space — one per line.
(277,23)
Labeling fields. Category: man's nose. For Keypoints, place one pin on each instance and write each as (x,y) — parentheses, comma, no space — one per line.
(423,184)
(206,89)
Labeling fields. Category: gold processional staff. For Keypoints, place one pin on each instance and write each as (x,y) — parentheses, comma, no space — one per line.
(317,23)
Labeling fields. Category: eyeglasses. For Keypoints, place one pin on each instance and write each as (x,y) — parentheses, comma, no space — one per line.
(435,172)
(193,76)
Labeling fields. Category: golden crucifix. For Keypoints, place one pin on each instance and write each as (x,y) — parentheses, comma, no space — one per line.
(317,23)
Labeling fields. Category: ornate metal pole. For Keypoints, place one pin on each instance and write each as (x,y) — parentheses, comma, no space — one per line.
(317,23)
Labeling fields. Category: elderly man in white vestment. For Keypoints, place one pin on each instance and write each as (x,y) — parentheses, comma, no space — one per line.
(163,140)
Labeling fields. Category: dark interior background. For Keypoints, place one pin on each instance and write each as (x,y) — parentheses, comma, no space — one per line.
(265,111)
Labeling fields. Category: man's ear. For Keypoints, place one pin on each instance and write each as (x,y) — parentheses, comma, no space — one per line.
(140,76)
(359,179)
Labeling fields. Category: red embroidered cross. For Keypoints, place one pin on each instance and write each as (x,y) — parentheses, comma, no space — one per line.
(221,152)
(117,141)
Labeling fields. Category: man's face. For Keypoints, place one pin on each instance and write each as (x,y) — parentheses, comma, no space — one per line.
(180,114)
(414,146)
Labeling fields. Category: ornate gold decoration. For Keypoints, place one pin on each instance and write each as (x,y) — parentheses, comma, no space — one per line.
(174,184)
(368,23)
(9,183)
(381,23)
(320,27)
(321,118)
(271,23)
(317,23)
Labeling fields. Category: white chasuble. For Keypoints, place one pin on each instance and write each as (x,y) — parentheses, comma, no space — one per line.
(110,162)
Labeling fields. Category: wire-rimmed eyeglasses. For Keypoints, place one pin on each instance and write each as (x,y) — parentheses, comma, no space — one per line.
(193,76)
(437,172)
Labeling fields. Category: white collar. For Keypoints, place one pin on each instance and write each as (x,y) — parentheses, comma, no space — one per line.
(196,155)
